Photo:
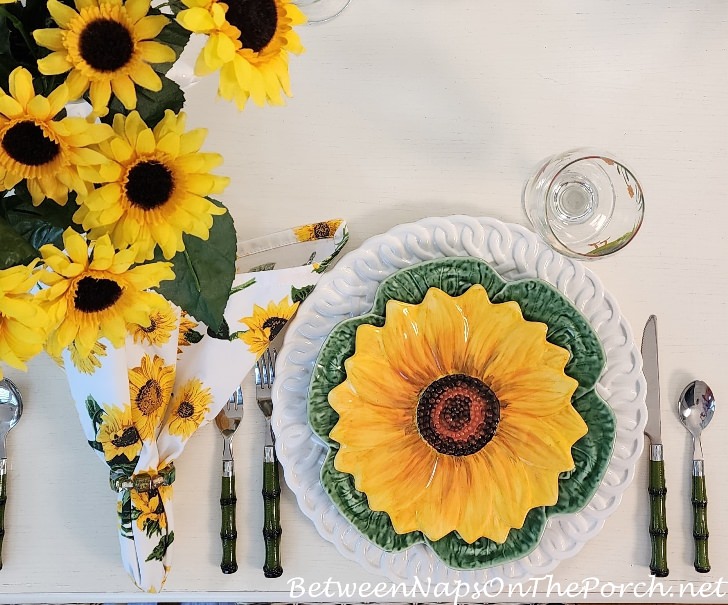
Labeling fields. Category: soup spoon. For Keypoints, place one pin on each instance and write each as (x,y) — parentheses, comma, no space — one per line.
(696,407)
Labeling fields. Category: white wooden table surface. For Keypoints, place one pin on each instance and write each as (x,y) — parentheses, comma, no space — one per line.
(405,109)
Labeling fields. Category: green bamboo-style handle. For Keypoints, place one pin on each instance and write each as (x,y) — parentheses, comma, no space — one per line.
(271,514)
(658,522)
(228,531)
(700,519)
(3,500)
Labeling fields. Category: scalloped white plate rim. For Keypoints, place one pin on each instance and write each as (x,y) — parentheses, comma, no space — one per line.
(348,289)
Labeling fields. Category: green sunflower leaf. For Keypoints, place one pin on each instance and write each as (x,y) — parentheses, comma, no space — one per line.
(40,225)
(204,272)
(95,413)
(176,37)
(152,527)
(151,105)
(126,515)
(299,294)
(96,445)
(222,333)
(161,549)
(14,249)
(192,336)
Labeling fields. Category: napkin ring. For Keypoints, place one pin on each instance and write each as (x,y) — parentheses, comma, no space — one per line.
(142,482)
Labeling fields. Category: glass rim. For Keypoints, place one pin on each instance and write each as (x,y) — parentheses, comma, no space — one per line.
(586,153)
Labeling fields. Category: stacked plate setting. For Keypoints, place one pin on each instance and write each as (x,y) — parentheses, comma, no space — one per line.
(510,254)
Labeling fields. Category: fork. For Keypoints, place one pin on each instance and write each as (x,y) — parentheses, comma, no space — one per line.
(264,376)
(228,420)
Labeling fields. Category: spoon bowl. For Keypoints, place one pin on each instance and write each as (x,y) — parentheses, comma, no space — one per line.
(11,408)
(696,407)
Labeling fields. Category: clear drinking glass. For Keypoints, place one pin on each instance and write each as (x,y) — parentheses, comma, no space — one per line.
(585,203)
(321,11)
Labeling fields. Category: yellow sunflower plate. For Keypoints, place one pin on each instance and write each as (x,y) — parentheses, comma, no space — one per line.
(471,395)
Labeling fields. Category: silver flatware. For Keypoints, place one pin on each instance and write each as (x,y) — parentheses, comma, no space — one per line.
(653,429)
(264,377)
(228,420)
(11,408)
(696,407)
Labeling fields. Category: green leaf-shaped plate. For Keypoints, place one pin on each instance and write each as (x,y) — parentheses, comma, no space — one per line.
(567,328)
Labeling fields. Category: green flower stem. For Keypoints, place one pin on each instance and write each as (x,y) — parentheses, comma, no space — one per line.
(30,43)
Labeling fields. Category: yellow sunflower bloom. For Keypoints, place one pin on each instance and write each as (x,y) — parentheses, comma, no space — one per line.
(464,406)
(186,326)
(94,293)
(264,324)
(158,191)
(150,388)
(151,506)
(162,320)
(249,42)
(107,45)
(118,435)
(314,231)
(23,323)
(189,409)
(91,362)
(52,156)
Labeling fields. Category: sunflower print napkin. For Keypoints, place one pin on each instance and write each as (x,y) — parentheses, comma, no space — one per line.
(140,403)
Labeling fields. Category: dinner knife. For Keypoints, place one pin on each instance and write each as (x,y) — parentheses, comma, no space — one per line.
(656,488)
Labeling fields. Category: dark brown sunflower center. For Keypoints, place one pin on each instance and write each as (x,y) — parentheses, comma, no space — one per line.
(149,184)
(458,415)
(257,21)
(185,409)
(151,327)
(27,144)
(321,231)
(149,397)
(96,294)
(275,324)
(129,437)
(106,45)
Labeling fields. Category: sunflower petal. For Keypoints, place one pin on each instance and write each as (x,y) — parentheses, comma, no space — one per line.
(9,107)
(21,85)
(137,9)
(196,20)
(62,14)
(156,52)
(51,38)
(124,89)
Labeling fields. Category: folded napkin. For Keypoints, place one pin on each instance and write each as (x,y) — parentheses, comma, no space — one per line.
(139,404)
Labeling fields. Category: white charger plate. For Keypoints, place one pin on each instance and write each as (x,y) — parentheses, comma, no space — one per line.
(348,291)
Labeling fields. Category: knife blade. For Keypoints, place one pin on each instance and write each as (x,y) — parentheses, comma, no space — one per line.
(653,430)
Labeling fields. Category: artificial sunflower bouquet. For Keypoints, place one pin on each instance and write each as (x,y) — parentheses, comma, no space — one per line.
(126,169)
(115,256)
